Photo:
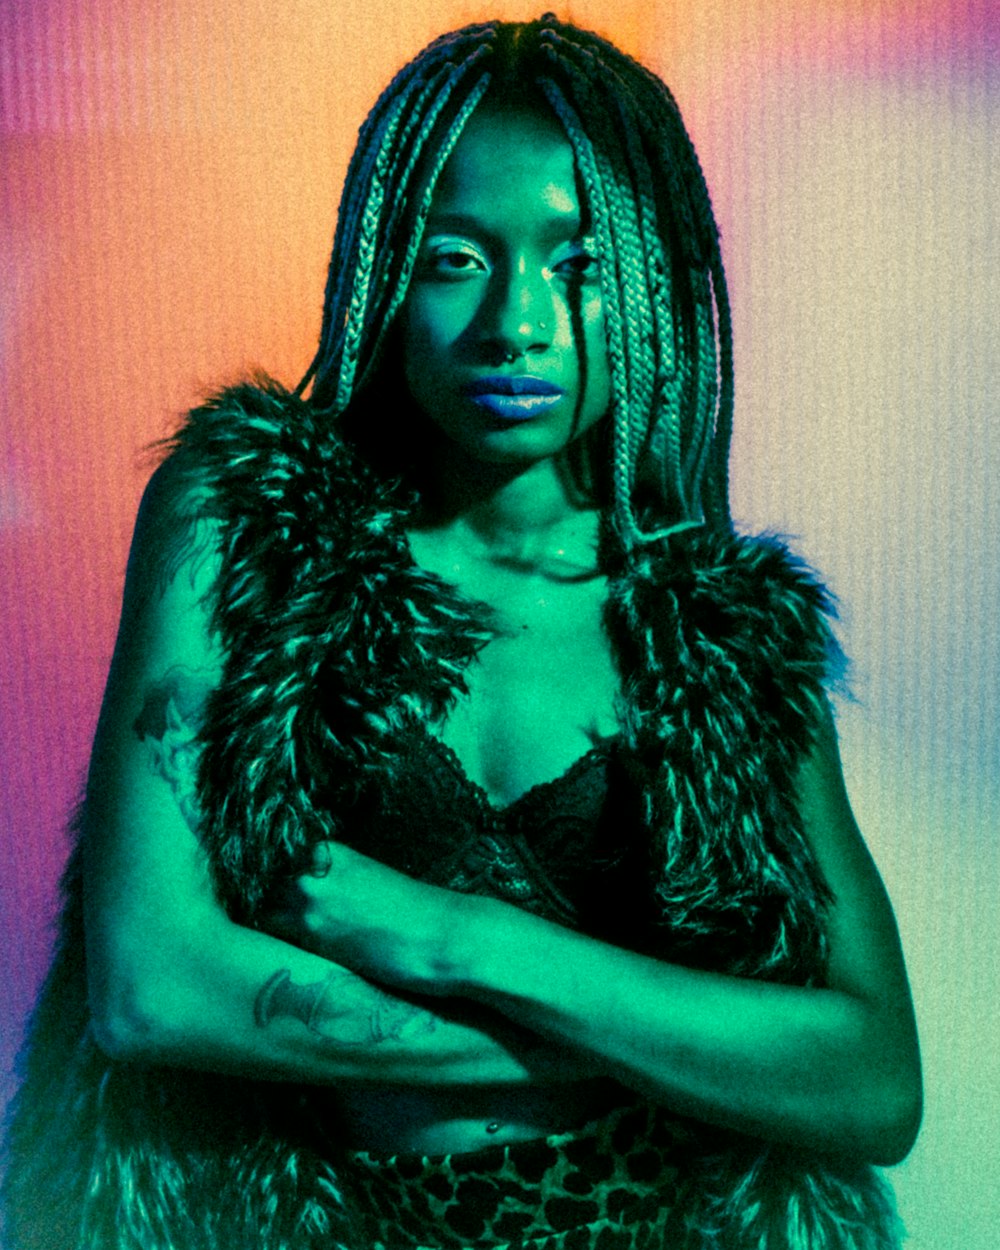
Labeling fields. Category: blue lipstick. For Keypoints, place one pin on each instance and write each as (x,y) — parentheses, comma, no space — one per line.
(514,398)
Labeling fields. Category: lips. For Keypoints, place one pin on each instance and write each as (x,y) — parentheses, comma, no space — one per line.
(507,385)
(514,398)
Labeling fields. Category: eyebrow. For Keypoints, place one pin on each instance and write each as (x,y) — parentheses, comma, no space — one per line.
(557,225)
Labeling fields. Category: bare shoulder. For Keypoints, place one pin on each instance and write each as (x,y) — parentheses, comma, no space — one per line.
(175,544)
(168,658)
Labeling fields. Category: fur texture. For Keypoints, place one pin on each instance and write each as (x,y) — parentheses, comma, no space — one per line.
(335,639)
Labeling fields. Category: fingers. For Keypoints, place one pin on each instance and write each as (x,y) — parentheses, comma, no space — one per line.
(322,859)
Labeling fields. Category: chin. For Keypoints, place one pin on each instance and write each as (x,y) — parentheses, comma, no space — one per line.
(515,458)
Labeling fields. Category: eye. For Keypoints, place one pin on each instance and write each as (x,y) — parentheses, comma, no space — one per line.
(581,264)
(450,259)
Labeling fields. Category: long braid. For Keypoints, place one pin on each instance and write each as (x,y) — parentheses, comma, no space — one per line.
(713,427)
(377,191)
(623,195)
(637,234)
(357,188)
(370,272)
(623,450)
(716,494)
(708,424)
(697,418)
(420,221)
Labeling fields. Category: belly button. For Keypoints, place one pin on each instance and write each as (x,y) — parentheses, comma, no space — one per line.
(493,1126)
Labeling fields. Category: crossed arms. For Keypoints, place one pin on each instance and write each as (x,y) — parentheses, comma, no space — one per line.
(369,976)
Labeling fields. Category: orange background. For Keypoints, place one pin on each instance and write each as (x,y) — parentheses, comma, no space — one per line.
(170,175)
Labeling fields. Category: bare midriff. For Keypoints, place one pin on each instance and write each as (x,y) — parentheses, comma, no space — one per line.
(395,1120)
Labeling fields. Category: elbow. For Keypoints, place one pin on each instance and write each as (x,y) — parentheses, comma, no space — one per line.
(903,1103)
(883,1093)
(897,1130)
(890,1114)
(142,998)
(123,1033)
(872,1107)
(128,1026)
(129,1012)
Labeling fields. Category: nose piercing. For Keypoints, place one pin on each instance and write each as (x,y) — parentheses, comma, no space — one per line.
(508,357)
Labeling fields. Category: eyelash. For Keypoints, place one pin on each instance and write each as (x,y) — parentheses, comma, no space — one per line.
(582,265)
(434,261)
(587,269)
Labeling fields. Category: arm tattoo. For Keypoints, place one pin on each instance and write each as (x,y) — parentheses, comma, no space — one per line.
(171,716)
(356,1013)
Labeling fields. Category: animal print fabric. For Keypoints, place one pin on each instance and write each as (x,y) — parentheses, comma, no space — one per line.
(614,1185)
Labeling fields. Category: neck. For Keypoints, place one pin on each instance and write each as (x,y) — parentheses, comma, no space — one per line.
(512,512)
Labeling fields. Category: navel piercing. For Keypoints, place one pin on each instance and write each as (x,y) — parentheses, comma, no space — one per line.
(493,1126)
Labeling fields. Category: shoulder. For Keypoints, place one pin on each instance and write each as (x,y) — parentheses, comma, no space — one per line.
(175,530)
(258,445)
(247,489)
(711,604)
(218,464)
(278,478)
(741,576)
(171,582)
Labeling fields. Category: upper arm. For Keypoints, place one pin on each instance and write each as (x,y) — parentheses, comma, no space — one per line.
(865,956)
(146,883)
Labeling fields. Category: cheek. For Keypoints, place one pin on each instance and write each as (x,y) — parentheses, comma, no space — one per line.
(596,344)
(417,349)
(434,319)
(429,329)
(412,334)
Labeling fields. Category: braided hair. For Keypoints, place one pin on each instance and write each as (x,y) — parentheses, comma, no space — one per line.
(666,308)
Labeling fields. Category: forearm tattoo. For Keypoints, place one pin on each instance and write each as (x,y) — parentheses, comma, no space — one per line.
(172,713)
(342,1008)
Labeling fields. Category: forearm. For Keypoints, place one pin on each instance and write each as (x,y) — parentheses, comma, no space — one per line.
(225,998)
(806,1066)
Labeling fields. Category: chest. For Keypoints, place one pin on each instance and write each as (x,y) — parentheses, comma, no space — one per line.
(541,694)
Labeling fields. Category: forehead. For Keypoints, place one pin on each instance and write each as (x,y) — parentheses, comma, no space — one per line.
(509,158)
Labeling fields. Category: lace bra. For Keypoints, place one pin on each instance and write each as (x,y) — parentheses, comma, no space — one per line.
(567,849)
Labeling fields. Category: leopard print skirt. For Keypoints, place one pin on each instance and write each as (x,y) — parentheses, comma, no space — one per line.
(613,1185)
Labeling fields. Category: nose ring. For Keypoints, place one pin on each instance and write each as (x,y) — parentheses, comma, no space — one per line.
(508,357)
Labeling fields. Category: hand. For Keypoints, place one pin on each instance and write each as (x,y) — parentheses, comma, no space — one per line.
(372,919)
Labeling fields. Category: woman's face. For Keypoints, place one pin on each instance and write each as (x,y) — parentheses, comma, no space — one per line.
(503,325)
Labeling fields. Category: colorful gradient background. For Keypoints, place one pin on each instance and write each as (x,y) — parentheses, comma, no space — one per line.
(170,175)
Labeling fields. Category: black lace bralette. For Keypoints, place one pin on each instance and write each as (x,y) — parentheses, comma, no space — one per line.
(569,849)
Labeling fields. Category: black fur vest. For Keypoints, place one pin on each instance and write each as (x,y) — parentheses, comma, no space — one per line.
(334,640)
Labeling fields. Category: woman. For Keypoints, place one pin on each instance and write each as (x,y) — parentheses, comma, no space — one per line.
(465,859)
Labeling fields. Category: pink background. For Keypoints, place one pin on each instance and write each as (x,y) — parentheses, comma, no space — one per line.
(169,180)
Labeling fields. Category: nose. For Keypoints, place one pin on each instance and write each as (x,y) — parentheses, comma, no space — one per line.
(517,316)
